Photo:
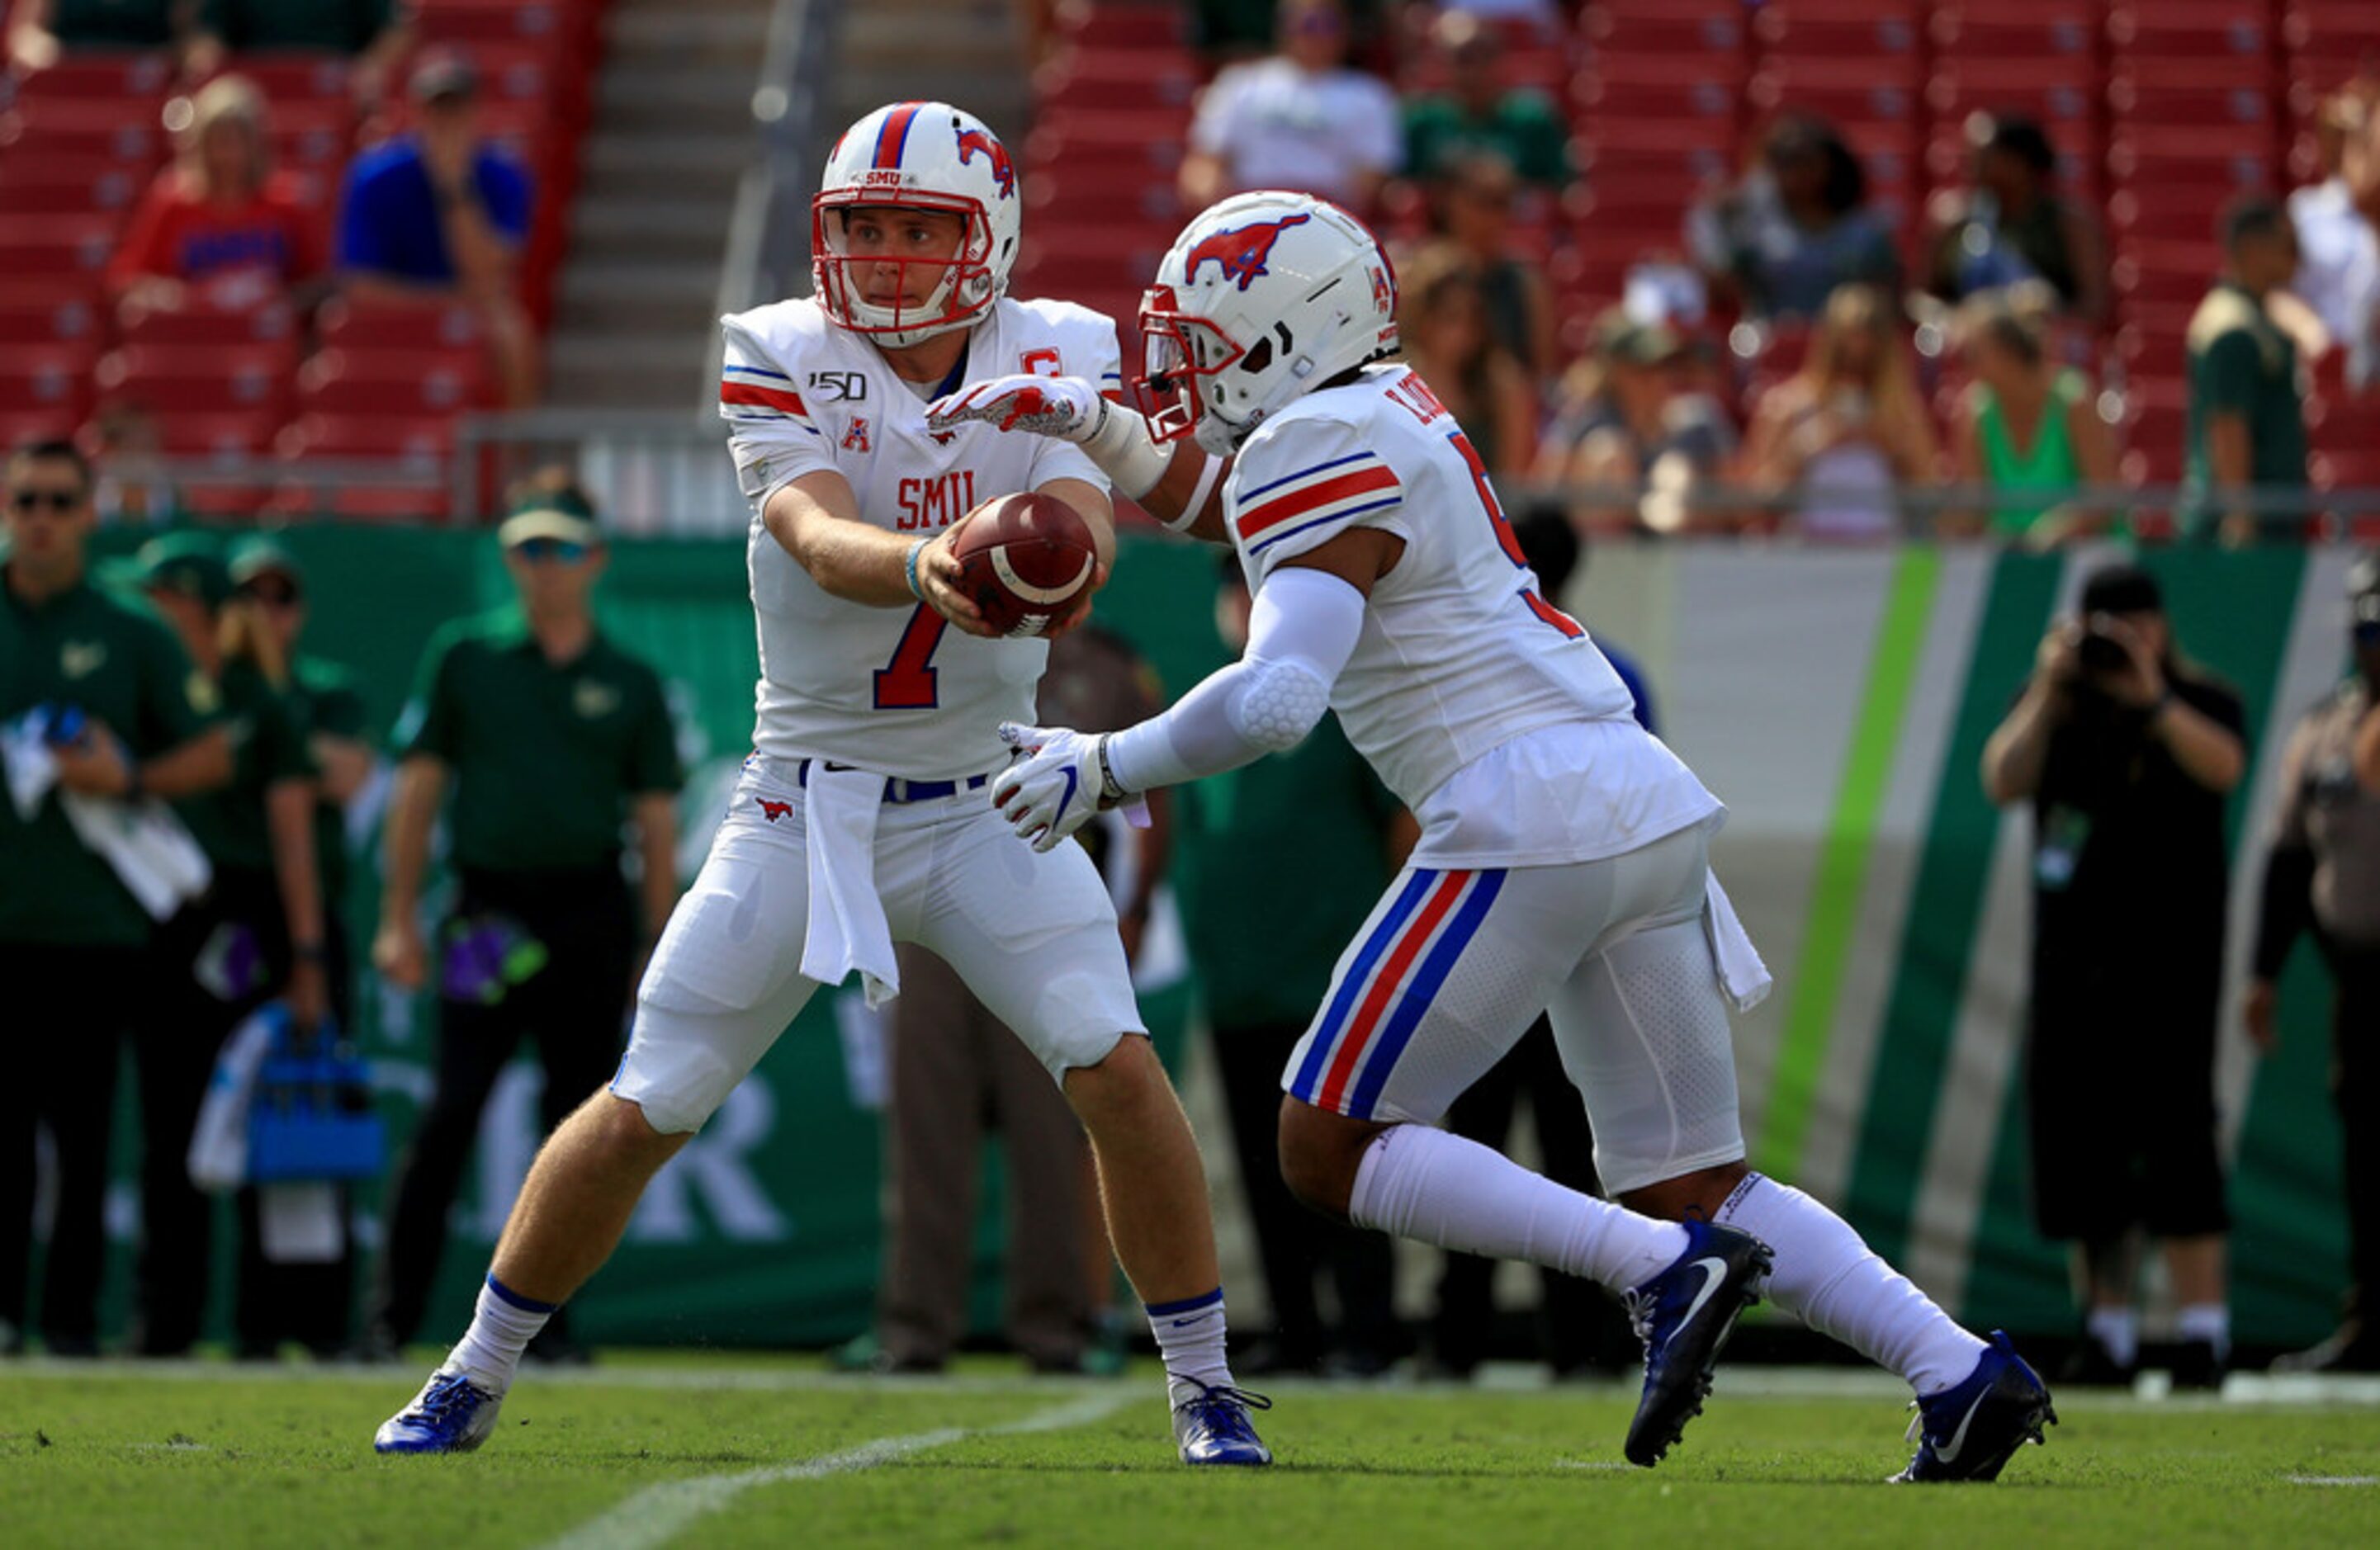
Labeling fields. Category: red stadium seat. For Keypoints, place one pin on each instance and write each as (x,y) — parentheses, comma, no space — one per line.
(2200,92)
(1118,78)
(204,328)
(1887,31)
(223,437)
(488,20)
(29,317)
(1661,89)
(422,441)
(47,379)
(1152,24)
(101,75)
(59,244)
(190,378)
(2015,31)
(378,325)
(392,382)
(41,184)
(292,78)
(80,127)
(2234,31)
(1844,92)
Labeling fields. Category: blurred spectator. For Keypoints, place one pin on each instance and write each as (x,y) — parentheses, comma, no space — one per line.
(2247,414)
(957,1069)
(1632,416)
(2338,224)
(1578,1327)
(1300,118)
(375,33)
(1477,111)
(1317,814)
(1472,197)
(41,28)
(1442,320)
(2027,426)
(440,215)
(2322,872)
(555,742)
(2012,225)
(130,455)
(74,949)
(217,229)
(256,937)
(1848,427)
(2126,753)
(1795,229)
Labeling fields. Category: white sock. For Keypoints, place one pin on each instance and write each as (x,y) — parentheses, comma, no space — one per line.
(2118,1330)
(1839,1285)
(2209,1321)
(501,1327)
(1425,1183)
(1190,1337)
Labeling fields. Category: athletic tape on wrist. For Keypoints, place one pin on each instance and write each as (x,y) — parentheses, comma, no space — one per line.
(910,568)
(1119,443)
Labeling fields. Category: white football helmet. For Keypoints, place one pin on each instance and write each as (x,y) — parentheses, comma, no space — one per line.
(915,156)
(1263,297)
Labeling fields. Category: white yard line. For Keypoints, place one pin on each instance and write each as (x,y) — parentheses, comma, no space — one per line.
(658,1514)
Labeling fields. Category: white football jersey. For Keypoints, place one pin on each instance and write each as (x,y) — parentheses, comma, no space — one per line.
(892,690)
(1461,655)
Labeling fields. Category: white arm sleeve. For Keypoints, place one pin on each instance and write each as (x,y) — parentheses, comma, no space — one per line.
(1300,636)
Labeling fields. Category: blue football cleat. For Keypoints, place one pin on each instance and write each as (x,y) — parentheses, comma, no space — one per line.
(1214,1426)
(1971,1429)
(451,1414)
(1684,1315)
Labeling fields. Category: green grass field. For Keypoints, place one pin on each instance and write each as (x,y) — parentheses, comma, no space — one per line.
(769,1452)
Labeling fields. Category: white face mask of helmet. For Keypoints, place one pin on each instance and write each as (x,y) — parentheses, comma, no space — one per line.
(913,156)
(1264,298)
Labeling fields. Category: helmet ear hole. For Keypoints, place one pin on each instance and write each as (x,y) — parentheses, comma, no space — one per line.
(1257,359)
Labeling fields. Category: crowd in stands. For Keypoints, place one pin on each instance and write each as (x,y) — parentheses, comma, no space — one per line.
(1841,269)
(261,227)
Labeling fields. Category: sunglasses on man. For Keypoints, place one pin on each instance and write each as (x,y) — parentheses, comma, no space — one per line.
(271,594)
(538,551)
(57,501)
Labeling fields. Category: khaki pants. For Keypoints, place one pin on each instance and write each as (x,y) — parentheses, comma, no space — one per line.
(957,1070)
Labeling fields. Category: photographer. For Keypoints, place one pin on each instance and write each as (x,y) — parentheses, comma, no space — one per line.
(2126,753)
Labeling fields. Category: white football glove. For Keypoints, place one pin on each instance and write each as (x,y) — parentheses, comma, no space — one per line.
(1054,788)
(1067,408)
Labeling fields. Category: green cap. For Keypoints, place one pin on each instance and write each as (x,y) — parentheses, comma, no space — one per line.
(263,557)
(550,514)
(1619,336)
(185,564)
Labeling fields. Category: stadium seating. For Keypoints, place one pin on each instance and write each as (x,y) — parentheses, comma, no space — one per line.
(79,144)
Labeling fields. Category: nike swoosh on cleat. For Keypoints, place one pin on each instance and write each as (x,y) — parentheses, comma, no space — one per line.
(1948,1454)
(1714,1271)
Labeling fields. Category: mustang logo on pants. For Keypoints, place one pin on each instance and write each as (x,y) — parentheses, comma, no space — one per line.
(772,811)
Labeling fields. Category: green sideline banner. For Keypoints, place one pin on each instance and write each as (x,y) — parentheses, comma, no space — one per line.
(1837,700)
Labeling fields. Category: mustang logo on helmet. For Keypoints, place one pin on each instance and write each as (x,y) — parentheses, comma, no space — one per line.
(1242,252)
(1003,170)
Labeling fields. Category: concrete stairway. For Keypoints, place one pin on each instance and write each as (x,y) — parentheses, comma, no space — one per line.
(672,134)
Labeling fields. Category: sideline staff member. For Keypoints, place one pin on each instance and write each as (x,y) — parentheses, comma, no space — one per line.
(2126,754)
(71,950)
(2325,872)
(549,737)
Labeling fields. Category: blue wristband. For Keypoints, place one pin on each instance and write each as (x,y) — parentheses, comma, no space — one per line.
(910,568)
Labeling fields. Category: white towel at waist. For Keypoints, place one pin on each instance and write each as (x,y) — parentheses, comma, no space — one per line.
(847,928)
(1741,972)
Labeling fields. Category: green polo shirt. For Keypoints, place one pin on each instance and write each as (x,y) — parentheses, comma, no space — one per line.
(1524,127)
(267,748)
(337,26)
(2242,363)
(323,697)
(122,667)
(1317,815)
(544,757)
(113,23)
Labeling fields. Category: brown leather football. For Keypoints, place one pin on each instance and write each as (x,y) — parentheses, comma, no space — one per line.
(1023,559)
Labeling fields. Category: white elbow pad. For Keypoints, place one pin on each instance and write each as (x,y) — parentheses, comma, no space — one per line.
(1278,704)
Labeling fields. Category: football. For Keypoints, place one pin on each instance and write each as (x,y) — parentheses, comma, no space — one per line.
(1023,559)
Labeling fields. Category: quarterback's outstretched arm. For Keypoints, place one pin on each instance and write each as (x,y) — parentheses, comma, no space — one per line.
(1304,628)
(1182,488)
